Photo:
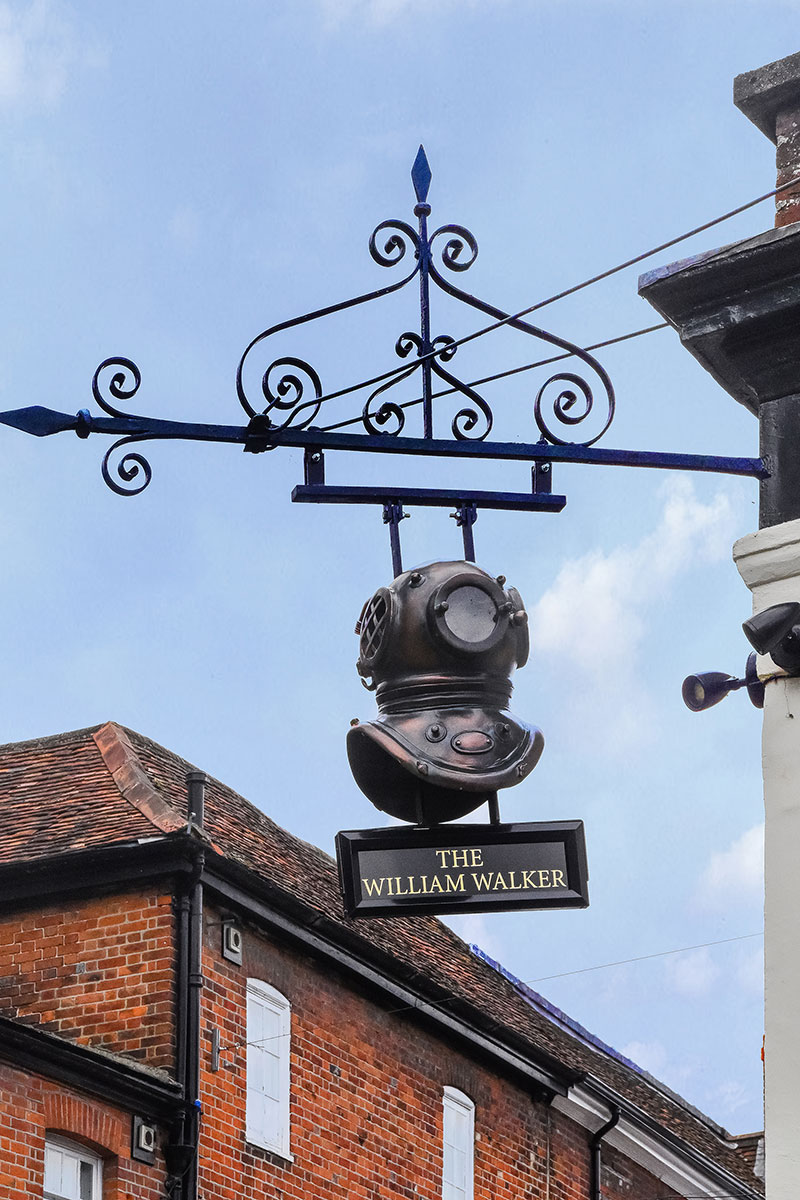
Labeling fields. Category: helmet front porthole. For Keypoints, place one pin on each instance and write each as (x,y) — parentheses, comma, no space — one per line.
(469,615)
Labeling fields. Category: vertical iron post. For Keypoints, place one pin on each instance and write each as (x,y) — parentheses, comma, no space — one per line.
(392,516)
(465,517)
(421,178)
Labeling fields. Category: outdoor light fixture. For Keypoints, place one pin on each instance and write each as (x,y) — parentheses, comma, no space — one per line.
(704,691)
(776,631)
(438,646)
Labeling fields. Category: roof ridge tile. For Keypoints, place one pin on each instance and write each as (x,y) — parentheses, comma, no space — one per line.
(133,782)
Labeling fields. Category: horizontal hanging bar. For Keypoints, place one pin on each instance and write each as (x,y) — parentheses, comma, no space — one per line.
(42,421)
(427,497)
(521,451)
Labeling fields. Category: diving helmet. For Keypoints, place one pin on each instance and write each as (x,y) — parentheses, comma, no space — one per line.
(438,647)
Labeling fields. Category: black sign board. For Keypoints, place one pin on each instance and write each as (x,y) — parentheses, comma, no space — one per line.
(463,868)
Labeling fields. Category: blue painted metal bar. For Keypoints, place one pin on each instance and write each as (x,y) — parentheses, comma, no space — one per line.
(41,422)
(427,497)
(524,452)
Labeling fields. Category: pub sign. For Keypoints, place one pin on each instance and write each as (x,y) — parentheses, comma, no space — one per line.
(463,868)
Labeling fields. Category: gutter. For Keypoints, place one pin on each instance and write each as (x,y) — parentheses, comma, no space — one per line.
(680,1165)
(595,1146)
(126,1084)
(181,1153)
(542,1076)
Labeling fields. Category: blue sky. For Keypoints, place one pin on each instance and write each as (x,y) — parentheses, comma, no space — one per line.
(175,178)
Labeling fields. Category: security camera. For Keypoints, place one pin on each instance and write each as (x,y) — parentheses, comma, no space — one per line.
(776,631)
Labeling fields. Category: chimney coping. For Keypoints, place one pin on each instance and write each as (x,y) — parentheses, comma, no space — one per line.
(763,93)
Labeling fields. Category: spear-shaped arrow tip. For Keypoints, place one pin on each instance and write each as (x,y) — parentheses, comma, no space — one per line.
(421,175)
(38,421)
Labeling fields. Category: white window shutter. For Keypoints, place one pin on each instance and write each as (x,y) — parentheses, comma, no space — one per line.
(268,1060)
(71,1172)
(458,1129)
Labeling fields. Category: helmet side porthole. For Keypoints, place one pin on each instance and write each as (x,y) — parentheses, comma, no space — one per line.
(374,625)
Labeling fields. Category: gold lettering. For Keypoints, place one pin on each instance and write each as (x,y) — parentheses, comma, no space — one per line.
(455,885)
(483,883)
(527,880)
(500,882)
(558,879)
(512,878)
(477,858)
(400,891)
(459,858)
(374,886)
(544,879)
(389,886)
(442,857)
(412,890)
(436,884)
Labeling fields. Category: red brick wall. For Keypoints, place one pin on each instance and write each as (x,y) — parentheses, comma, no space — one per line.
(366,1101)
(30,1107)
(98,972)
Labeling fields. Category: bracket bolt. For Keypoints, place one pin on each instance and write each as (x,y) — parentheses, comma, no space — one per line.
(441,608)
(422,767)
(501,579)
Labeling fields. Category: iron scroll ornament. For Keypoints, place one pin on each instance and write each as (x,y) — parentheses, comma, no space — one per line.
(283,397)
(572,397)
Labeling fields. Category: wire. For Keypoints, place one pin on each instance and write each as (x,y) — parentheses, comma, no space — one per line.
(733,212)
(600,967)
(642,957)
(239,1045)
(542,362)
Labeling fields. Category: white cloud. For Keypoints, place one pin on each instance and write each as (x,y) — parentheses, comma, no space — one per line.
(692,974)
(650,1056)
(39,50)
(609,596)
(475,929)
(735,876)
(654,1058)
(606,594)
(728,1098)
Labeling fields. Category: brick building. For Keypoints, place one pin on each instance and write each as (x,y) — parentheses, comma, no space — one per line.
(186,1012)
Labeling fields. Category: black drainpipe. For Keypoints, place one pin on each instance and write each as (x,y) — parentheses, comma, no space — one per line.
(597,1153)
(181,1153)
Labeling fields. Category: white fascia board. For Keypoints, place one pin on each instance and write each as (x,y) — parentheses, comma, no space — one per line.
(659,1157)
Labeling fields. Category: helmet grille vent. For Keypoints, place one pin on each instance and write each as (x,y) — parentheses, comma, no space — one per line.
(373,626)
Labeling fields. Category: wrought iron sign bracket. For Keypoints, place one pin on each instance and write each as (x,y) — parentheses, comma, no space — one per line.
(284,399)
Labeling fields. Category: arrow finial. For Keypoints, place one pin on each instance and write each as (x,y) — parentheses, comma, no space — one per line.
(421,176)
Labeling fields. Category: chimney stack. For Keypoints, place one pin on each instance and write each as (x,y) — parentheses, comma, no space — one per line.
(770,97)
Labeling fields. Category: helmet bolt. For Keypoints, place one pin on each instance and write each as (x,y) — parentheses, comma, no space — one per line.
(422,767)
(522,768)
(441,608)
(416,579)
(520,617)
(501,579)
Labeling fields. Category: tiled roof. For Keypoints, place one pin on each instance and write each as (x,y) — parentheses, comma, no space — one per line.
(109,785)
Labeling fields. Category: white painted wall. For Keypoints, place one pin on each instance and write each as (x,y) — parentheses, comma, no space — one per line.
(769,563)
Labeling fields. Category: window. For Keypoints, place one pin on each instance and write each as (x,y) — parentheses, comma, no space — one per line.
(459,1145)
(71,1172)
(269,1018)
